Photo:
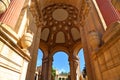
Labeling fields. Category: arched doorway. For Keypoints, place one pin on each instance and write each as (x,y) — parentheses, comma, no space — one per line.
(60,65)
(38,71)
(82,64)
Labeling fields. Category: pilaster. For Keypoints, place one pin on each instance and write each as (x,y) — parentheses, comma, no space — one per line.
(11,15)
(87,54)
(108,11)
(32,64)
(45,63)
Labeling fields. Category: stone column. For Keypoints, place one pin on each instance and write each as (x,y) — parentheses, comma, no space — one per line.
(86,54)
(45,68)
(50,68)
(109,13)
(74,68)
(71,68)
(11,15)
(34,53)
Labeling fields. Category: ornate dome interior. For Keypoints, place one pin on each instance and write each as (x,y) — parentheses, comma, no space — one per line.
(60,23)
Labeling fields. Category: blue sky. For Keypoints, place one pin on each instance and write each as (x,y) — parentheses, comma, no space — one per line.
(60,60)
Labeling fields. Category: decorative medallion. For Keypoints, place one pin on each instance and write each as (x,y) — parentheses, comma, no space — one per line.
(61,19)
(60,14)
(63,14)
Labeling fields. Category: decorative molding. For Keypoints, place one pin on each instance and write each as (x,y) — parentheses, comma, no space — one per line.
(84,11)
(6,40)
(11,34)
(9,66)
(61,23)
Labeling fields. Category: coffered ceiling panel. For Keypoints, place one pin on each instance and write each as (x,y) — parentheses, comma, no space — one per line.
(75,3)
(60,25)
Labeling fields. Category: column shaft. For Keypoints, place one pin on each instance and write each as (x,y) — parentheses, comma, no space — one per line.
(32,64)
(45,69)
(50,68)
(11,16)
(110,14)
(71,69)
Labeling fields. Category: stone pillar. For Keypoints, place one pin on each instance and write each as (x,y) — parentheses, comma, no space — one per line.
(74,68)
(86,54)
(34,53)
(50,68)
(11,15)
(109,13)
(45,68)
(71,69)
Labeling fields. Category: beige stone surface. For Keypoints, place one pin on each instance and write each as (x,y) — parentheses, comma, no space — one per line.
(60,25)
(6,74)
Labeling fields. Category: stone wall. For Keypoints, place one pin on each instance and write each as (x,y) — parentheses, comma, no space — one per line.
(107,60)
(13,61)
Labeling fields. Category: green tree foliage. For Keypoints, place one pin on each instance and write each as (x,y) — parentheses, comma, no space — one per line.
(53,73)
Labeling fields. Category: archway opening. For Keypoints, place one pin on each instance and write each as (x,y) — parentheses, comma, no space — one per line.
(39,65)
(60,65)
(82,63)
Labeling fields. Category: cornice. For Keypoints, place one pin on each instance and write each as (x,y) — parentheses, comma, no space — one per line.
(13,46)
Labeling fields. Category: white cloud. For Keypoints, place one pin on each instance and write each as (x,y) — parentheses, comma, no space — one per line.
(62,70)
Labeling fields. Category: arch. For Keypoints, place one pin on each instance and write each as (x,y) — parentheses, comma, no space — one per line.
(62,59)
(76,48)
(59,48)
(43,46)
(40,56)
(81,57)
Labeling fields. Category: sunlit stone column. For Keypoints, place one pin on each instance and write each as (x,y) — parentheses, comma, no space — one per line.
(87,54)
(110,14)
(71,68)
(11,15)
(74,68)
(34,54)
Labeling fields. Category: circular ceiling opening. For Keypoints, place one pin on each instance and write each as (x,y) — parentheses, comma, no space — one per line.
(60,14)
